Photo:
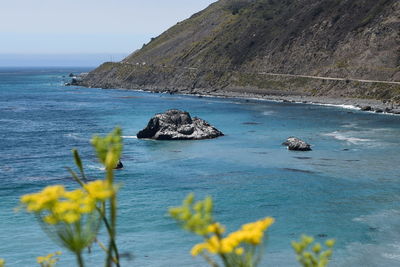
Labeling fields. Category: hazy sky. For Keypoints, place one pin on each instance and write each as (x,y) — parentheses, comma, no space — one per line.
(87,26)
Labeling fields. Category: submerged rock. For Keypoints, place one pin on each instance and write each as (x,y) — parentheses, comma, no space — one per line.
(296,144)
(178,125)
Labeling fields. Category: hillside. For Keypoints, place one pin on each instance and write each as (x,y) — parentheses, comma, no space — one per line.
(240,45)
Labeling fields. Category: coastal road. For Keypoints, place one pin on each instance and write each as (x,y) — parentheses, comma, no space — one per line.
(283,75)
(327,78)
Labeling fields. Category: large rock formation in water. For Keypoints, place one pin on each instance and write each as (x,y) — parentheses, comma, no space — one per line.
(296,144)
(270,47)
(178,125)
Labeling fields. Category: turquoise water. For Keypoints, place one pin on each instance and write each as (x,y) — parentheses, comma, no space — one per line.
(347,188)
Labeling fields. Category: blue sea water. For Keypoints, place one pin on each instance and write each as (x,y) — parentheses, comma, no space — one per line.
(347,188)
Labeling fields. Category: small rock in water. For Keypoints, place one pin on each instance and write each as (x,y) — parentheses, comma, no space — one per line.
(119,165)
(296,144)
(366,108)
(178,125)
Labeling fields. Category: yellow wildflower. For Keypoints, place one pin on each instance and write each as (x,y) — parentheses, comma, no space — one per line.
(43,200)
(48,261)
(251,233)
(2,262)
(71,217)
(309,253)
(216,228)
(56,205)
(100,190)
(75,194)
(50,219)
(214,245)
(198,248)
(239,251)
(195,217)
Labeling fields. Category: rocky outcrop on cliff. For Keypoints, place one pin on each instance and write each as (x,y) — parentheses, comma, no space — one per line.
(76,79)
(178,125)
(243,44)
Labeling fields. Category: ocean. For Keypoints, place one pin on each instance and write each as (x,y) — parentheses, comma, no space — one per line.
(347,188)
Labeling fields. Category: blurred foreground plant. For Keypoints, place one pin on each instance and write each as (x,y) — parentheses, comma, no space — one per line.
(243,248)
(2,262)
(73,218)
(49,260)
(312,255)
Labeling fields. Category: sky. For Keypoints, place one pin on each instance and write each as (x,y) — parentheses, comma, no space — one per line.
(98,27)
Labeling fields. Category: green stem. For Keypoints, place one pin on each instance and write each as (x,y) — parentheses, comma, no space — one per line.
(112,233)
(113,219)
(224,259)
(209,260)
(222,255)
(109,231)
(114,245)
(79,259)
(112,239)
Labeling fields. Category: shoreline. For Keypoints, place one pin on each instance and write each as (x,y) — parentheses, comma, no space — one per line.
(361,104)
(370,105)
(367,105)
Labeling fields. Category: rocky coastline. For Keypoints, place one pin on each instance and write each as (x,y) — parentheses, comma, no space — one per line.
(362,104)
(353,94)
(367,105)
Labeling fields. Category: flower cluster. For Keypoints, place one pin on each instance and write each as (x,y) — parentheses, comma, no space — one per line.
(251,233)
(73,218)
(56,205)
(195,217)
(49,260)
(109,148)
(315,257)
(240,248)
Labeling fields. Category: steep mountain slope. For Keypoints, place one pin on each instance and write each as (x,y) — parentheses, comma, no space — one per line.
(237,45)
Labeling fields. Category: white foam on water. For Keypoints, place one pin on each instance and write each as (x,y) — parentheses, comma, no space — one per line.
(384,247)
(38,178)
(350,125)
(268,113)
(129,137)
(350,139)
(75,136)
(95,167)
(337,105)
(391,256)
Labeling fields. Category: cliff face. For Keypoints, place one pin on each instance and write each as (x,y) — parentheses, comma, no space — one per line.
(240,44)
